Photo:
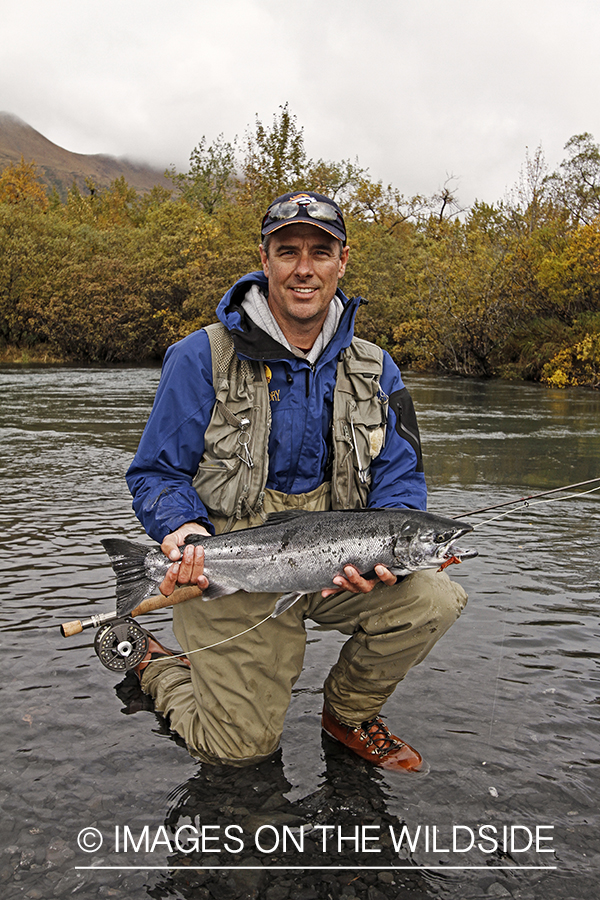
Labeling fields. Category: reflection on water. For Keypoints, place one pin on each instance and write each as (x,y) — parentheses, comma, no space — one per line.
(480,433)
(505,708)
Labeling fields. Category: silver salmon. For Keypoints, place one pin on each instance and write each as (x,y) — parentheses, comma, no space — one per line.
(296,553)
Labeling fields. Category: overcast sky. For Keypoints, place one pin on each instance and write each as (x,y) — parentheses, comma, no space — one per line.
(417,90)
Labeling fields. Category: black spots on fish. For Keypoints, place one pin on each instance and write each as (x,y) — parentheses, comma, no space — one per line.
(292,563)
(287,537)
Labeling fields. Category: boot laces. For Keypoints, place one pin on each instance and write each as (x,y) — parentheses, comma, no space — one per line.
(380,735)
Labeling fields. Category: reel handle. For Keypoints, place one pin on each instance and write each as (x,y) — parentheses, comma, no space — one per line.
(188,592)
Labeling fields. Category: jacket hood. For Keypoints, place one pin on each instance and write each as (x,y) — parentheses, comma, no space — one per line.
(254,343)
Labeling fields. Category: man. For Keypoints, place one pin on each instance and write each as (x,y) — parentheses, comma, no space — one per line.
(277,408)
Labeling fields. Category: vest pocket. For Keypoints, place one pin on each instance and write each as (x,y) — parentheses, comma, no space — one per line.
(359,424)
(217,482)
(225,471)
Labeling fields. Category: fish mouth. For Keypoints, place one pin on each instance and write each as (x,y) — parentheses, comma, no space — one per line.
(449,553)
(459,554)
(449,549)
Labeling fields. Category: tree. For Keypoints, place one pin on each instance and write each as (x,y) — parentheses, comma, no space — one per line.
(466,295)
(577,185)
(529,200)
(570,273)
(21,242)
(275,160)
(577,365)
(19,184)
(386,207)
(116,206)
(444,203)
(335,180)
(210,178)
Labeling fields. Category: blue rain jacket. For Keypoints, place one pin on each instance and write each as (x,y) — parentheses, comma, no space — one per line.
(160,476)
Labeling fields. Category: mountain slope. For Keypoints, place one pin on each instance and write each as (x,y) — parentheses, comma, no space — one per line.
(59,168)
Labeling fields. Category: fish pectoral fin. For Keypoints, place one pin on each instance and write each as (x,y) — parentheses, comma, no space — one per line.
(285,602)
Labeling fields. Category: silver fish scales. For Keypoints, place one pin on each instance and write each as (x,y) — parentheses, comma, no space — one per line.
(297,552)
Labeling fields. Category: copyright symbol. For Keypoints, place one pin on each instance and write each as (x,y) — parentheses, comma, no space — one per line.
(89,840)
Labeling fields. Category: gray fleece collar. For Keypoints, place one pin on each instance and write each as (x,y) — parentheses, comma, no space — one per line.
(256,306)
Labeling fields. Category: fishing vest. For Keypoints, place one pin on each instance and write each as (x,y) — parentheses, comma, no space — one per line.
(233,471)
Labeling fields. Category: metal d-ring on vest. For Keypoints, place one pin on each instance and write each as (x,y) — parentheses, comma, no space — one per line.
(243,439)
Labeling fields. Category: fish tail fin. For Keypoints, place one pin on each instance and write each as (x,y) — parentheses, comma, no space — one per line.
(133,584)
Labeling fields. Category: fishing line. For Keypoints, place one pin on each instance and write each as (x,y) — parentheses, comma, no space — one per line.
(565,487)
(233,636)
(216,644)
(527,505)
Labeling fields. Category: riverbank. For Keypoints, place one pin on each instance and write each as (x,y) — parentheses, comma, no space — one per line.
(40,354)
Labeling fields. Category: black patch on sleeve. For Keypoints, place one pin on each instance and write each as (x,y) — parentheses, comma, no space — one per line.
(406,422)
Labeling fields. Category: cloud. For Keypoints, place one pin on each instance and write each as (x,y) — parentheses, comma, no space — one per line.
(416,91)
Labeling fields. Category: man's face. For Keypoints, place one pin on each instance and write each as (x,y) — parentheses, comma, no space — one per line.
(303,268)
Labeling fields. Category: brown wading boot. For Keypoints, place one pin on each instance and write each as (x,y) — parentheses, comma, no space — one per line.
(374,742)
(157,651)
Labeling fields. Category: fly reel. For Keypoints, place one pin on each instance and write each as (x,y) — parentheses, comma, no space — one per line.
(121,645)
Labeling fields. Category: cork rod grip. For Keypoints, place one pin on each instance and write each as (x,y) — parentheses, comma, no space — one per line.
(188,592)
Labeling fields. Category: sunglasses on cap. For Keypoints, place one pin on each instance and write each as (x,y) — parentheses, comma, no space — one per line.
(316,209)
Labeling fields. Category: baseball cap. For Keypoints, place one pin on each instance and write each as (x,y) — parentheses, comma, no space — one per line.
(308,208)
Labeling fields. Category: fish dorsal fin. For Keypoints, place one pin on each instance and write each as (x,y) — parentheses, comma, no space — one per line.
(286,515)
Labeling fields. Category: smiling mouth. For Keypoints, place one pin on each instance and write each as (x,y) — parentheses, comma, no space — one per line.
(304,290)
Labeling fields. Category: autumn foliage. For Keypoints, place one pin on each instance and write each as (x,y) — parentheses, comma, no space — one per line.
(510,289)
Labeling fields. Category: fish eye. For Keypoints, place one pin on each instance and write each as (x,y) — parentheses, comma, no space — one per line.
(442,538)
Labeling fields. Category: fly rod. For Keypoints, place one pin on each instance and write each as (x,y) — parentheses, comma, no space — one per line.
(148,605)
(566,487)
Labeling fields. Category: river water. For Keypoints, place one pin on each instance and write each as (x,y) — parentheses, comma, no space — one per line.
(505,709)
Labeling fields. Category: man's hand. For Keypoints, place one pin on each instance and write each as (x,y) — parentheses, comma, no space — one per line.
(355,582)
(187,568)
